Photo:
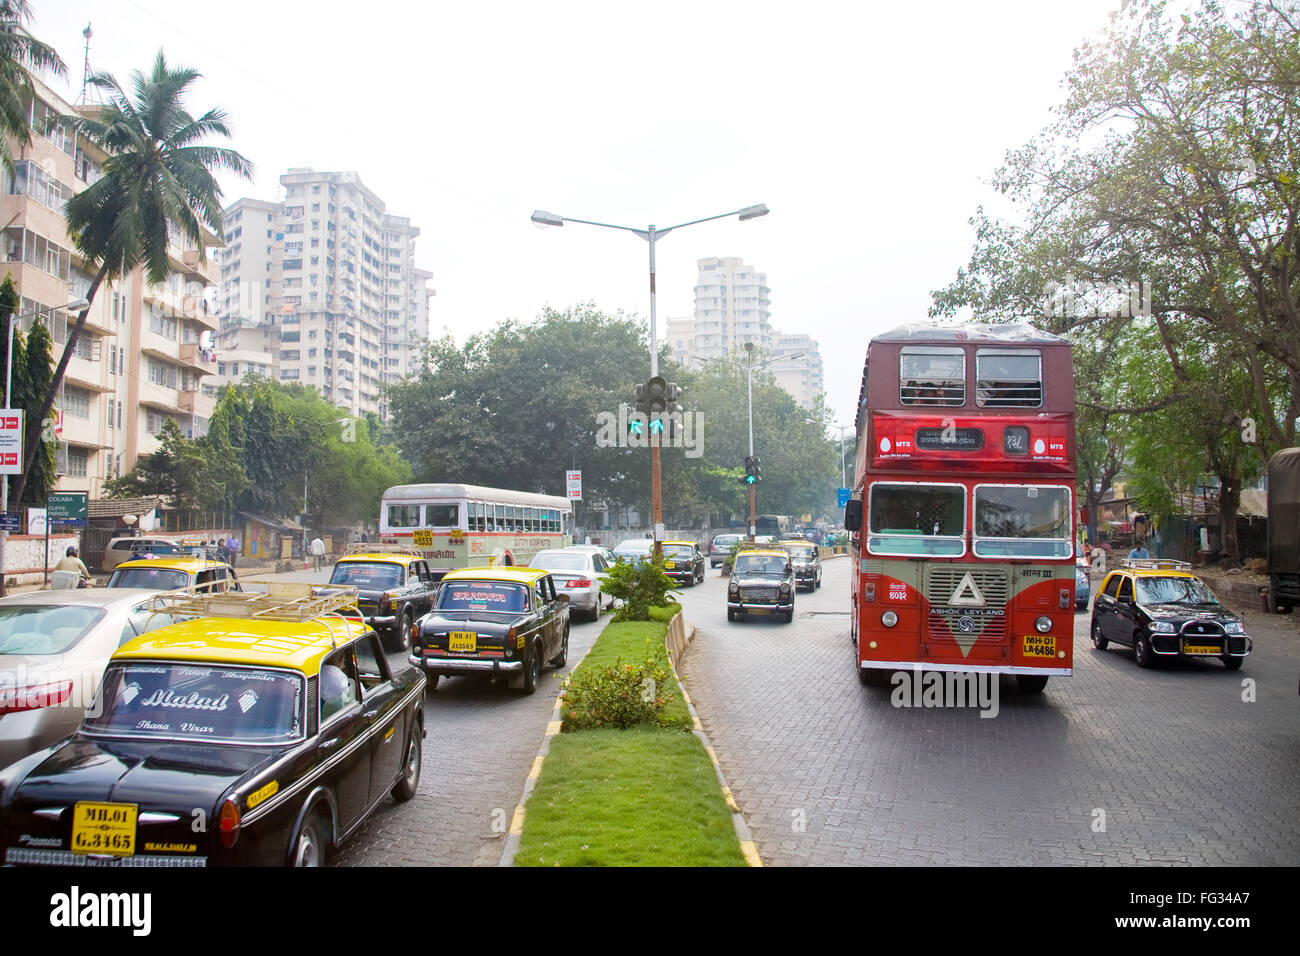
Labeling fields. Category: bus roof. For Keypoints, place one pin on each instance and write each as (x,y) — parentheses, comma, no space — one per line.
(1008,334)
(452,492)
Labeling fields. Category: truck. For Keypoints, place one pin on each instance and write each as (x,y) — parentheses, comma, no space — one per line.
(1284,530)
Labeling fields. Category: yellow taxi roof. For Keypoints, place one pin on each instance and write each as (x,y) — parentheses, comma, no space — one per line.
(1154,573)
(774,552)
(510,575)
(690,544)
(298,645)
(372,558)
(189,565)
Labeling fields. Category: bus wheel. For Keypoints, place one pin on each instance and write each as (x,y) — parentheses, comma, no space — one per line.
(1031,683)
(872,676)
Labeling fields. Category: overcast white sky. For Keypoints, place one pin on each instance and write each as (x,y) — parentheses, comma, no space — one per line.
(869,131)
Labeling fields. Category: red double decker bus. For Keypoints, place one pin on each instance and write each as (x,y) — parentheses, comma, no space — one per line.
(962,511)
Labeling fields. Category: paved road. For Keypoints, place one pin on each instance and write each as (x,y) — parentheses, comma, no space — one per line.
(480,746)
(829,772)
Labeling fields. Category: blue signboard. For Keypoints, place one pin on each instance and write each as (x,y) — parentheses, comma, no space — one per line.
(842,496)
(10,521)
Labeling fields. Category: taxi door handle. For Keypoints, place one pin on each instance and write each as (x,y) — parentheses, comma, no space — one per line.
(329,744)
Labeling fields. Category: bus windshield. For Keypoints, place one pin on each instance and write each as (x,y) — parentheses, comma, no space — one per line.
(917,519)
(1022,521)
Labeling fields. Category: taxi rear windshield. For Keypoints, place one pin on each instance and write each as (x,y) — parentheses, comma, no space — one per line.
(481,596)
(157,579)
(199,702)
(679,551)
(362,575)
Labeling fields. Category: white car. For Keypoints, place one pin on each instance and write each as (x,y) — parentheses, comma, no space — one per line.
(578,573)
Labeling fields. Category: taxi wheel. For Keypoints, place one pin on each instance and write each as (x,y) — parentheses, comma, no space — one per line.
(310,848)
(1098,641)
(562,658)
(731,615)
(1233,663)
(404,789)
(399,639)
(690,580)
(533,669)
(789,615)
(431,681)
(1142,651)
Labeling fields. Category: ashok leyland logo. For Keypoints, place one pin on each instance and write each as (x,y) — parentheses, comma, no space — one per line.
(633,429)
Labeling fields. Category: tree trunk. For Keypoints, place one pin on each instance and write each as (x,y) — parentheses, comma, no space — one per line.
(29,453)
(1229,501)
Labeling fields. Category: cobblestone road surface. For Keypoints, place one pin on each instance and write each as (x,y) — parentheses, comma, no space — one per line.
(829,772)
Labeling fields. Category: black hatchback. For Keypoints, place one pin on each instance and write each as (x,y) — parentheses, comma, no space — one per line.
(1160,610)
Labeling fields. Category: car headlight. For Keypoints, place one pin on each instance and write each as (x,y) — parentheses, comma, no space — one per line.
(733,589)
(1234,627)
(785,589)
(889,619)
(1043,624)
(1162,627)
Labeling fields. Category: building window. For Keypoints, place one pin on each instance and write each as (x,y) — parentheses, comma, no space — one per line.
(112,409)
(288,373)
(76,402)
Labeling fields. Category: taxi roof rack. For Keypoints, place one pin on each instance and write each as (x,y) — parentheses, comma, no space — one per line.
(282,601)
(382,548)
(1155,564)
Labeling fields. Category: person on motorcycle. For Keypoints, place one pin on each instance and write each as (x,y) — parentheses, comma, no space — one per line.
(70,562)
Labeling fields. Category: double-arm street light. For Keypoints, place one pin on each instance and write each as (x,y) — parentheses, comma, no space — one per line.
(650,234)
(749,367)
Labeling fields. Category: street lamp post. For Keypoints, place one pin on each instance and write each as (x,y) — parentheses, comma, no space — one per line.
(650,234)
(749,394)
(9,402)
(841,429)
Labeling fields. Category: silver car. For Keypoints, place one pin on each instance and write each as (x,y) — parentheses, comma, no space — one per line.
(578,573)
(54,646)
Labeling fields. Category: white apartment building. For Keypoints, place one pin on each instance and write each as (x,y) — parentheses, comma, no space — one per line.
(144,349)
(732,302)
(331,275)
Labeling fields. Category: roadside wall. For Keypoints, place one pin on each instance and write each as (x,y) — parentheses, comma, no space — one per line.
(23,563)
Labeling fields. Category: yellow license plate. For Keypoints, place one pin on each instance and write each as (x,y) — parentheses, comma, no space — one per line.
(669,565)
(104,828)
(422,539)
(462,642)
(1040,645)
(1201,649)
(756,610)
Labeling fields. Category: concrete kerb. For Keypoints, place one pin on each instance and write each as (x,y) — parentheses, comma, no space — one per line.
(679,636)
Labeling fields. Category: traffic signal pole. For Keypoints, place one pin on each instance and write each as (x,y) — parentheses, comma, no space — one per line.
(656,479)
(749,392)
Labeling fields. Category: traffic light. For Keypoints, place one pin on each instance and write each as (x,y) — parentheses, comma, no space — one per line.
(640,398)
(674,394)
(656,395)
(753,471)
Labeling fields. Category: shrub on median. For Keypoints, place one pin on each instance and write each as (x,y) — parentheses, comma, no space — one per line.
(639,585)
(617,695)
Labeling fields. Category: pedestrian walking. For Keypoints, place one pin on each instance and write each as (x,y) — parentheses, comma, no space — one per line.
(232,549)
(317,553)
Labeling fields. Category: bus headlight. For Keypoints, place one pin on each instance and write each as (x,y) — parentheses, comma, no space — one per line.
(1043,624)
(889,619)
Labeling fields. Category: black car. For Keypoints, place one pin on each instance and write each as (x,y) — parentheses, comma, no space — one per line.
(233,740)
(762,583)
(395,588)
(807,561)
(494,622)
(683,562)
(1160,610)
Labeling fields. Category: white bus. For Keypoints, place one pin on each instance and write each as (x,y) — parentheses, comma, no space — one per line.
(467,526)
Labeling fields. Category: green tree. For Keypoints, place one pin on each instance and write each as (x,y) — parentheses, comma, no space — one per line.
(158,174)
(19,53)
(38,442)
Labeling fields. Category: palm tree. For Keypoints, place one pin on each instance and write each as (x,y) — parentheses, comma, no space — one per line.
(19,52)
(157,172)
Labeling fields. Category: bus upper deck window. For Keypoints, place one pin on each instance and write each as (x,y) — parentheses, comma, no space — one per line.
(1008,378)
(932,375)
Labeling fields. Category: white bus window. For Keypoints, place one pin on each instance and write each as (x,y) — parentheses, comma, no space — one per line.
(442,516)
(403,516)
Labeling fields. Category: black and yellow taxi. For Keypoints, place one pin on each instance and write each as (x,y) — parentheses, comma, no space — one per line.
(683,562)
(762,583)
(807,561)
(174,573)
(262,731)
(500,622)
(394,588)
(1159,609)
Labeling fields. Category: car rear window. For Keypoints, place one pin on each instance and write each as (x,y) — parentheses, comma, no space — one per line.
(363,575)
(679,551)
(559,561)
(45,629)
(199,702)
(481,596)
(157,579)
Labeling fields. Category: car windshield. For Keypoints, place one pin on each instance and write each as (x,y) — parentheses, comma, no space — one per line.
(45,629)
(199,702)
(560,561)
(725,540)
(679,551)
(368,575)
(760,564)
(157,579)
(1173,590)
(482,596)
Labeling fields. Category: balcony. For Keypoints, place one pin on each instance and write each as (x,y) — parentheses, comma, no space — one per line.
(151,343)
(196,403)
(194,357)
(158,396)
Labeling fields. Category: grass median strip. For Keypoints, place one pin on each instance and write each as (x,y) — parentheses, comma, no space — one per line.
(645,796)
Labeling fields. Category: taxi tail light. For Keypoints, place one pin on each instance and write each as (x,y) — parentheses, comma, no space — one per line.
(577,583)
(387,600)
(229,822)
(1064,597)
(34,696)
